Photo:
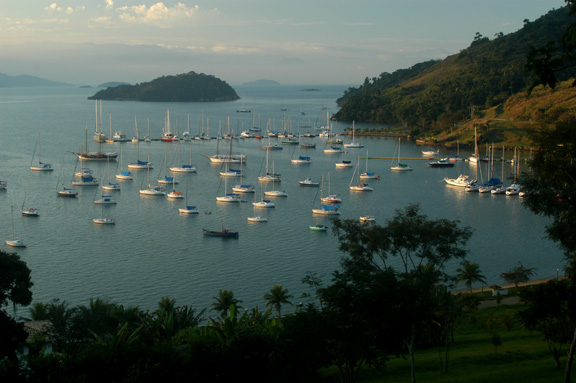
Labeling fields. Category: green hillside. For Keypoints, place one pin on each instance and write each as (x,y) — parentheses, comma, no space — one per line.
(187,87)
(434,98)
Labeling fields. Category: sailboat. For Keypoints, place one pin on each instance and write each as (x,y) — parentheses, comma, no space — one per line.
(183,168)
(263,202)
(242,188)
(84,179)
(152,190)
(228,197)
(29,211)
(400,167)
(301,160)
(167,135)
(41,166)
(139,164)
(330,198)
(368,175)
(14,242)
(360,186)
(275,193)
(167,180)
(188,209)
(95,156)
(457,156)
(269,177)
(110,186)
(230,172)
(105,200)
(500,189)
(103,220)
(353,144)
(99,136)
(174,194)
(64,192)
(474,158)
(124,175)
(492,182)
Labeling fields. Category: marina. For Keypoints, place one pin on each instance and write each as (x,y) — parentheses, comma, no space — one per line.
(155,249)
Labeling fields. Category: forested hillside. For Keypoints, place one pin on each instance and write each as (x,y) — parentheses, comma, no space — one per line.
(433,97)
(187,87)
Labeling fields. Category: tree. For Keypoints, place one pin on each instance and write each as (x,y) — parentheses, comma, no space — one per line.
(547,62)
(15,281)
(15,287)
(552,185)
(277,297)
(224,300)
(419,245)
(549,308)
(468,273)
(552,193)
(518,274)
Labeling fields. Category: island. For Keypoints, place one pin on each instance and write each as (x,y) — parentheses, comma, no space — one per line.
(187,87)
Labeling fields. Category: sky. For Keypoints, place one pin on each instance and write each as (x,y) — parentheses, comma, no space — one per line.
(89,42)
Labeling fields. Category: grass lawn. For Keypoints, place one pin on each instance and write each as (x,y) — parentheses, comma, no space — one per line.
(522,356)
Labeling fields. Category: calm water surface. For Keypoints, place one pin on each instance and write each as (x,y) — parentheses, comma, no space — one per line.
(153,251)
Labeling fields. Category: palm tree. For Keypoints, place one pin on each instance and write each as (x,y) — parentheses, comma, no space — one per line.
(224,300)
(277,297)
(469,272)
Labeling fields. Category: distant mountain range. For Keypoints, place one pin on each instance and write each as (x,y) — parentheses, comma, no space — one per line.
(23,80)
(262,83)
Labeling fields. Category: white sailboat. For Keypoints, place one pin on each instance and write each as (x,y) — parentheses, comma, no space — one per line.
(188,209)
(330,198)
(269,177)
(166,180)
(174,194)
(228,197)
(274,192)
(368,175)
(243,188)
(14,242)
(110,186)
(28,211)
(84,178)
(167,135)
(41,166)
(399,167)
(139,164)
(183,168)
(125,175)
(104,220)
(353,144)
(64,192)
(360,187)
(263,202)
(157,191)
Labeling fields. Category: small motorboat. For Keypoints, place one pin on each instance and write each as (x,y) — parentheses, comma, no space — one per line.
(224,233)
(257,219)
(443,163)
(309,182)
(319,228)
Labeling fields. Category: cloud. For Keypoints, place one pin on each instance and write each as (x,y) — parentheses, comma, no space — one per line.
(109,4)
(53,7)
(157,14)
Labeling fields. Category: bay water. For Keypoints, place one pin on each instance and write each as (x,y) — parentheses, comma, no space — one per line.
(154,252)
